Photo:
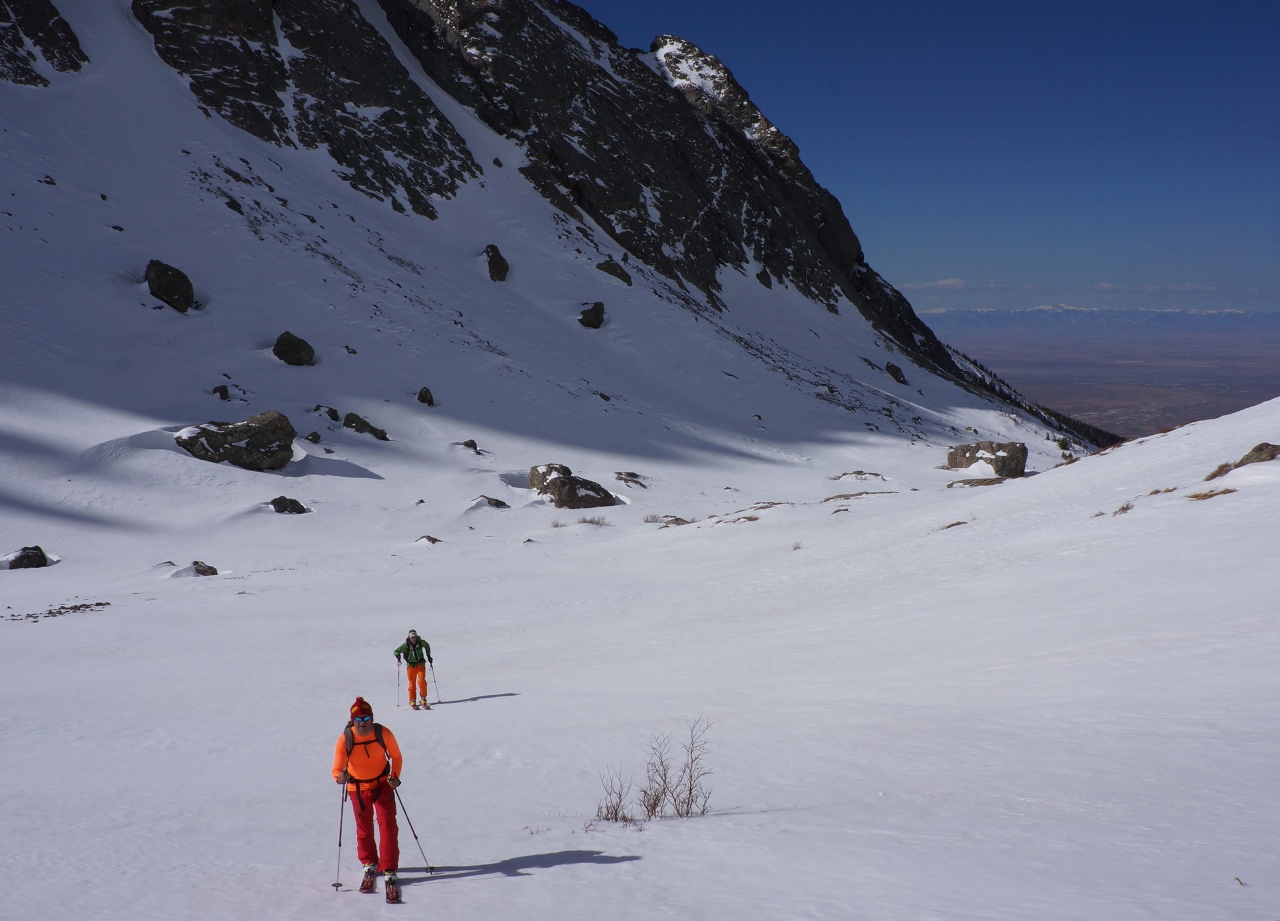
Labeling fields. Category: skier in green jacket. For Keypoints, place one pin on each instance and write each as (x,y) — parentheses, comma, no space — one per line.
(417,655)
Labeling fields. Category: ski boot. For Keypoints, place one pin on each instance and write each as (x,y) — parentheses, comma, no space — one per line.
(368,884)
(391,886)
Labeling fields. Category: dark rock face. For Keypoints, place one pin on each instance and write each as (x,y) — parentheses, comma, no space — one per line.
(293,350)
(339,86)
(286,506)
(261,442)
(424,396)
(593,316)
(1260,454)
(895,372)
(28,558)
(203,569)
(611,267)
(622,137)
(170,285)
(36,24)
(1007,459)
(498,266)
(361,425)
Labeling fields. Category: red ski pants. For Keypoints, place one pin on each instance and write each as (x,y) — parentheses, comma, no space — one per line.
(417,682)
(364,802)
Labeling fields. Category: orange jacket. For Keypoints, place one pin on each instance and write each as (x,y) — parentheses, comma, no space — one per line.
(367,763)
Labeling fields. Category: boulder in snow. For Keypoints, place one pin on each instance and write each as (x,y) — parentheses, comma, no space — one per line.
(593,316)
(610,267)
(424,396)
(1260,454)
(170,285)
(363,426)
(539,475)
(293,350)
(261,442)
(557,483)
(498,265)
(26,558)
(286,506)
(1007,459)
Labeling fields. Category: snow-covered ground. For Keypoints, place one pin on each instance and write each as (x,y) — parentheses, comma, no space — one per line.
(1002,702)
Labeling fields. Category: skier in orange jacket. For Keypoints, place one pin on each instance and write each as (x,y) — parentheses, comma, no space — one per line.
(367,759)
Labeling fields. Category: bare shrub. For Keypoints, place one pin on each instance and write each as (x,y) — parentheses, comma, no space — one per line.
(1127,507)
(558,524)
(597,520)
(796,545)
(1210,494)
(691,793)
(652,519)
(612,807)
(659,778)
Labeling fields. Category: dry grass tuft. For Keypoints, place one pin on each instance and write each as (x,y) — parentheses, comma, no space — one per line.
(1210,494)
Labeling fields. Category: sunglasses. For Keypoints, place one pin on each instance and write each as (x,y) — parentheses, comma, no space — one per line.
(363,719)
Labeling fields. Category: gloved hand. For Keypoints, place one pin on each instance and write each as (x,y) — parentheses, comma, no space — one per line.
(393,781)
(430,661)
(344,777)
(397,660)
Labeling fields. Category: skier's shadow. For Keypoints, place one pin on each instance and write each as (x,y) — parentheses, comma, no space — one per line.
(468,700)
(515,866)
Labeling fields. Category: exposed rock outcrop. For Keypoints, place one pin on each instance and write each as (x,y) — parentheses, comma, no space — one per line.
(1007,459)
(325,80)
(425,396)
(28,27)
(261,442)
(593,316)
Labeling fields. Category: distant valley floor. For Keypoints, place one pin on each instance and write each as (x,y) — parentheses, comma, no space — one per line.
(1133,373)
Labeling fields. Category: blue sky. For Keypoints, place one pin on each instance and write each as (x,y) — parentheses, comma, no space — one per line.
(992,154)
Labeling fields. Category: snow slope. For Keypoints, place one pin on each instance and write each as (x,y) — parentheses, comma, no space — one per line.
(1050,710)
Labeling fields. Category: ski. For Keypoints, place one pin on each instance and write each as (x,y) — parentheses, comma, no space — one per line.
(370,877)
(391,886)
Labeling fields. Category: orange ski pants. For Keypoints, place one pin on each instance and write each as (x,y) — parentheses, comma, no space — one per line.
(417,682)
(380,798)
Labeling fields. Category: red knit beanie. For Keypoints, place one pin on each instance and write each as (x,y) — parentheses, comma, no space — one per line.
(361,708)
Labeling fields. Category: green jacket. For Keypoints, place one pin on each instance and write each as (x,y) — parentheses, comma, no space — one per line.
(416,653)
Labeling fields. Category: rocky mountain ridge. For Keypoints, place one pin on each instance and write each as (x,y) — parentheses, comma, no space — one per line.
(657,164)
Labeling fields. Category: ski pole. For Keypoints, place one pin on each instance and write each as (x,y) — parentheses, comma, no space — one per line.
(431,665)
(430,869)
(397,684)
(342,814)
